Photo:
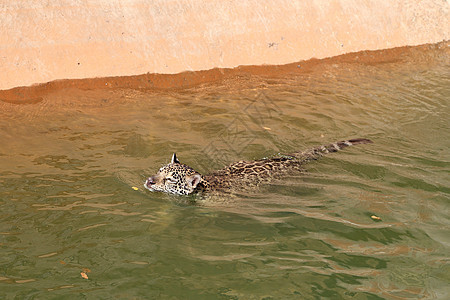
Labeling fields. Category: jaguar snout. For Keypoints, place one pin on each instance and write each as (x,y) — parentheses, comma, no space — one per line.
(149,182)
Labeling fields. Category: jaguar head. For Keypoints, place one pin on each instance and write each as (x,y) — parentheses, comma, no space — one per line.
(174,178)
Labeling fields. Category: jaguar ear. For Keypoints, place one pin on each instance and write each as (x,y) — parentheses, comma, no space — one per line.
(194,180)
(175,159)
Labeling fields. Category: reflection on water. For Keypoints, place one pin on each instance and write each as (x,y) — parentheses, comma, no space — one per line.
(69,162)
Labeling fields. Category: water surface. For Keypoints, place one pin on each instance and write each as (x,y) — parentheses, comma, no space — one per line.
(68,164)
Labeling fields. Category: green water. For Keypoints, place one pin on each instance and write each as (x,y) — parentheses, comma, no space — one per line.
(68,165)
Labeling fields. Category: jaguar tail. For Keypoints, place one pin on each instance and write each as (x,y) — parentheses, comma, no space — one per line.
(317,152)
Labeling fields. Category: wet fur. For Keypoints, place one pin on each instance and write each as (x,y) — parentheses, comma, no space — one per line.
(177,178)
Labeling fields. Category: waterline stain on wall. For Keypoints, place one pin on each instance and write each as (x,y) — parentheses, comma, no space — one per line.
(35,93)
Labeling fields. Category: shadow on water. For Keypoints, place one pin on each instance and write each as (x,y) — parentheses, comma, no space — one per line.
(369,222)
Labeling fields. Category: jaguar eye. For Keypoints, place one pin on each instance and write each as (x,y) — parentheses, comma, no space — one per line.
(169,179)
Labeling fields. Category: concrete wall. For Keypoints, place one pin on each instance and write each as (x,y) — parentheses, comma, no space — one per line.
(44,40)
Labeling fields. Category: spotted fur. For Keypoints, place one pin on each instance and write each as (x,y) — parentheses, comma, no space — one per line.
(177,178)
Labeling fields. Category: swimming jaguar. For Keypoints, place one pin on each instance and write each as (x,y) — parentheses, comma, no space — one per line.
(180,179)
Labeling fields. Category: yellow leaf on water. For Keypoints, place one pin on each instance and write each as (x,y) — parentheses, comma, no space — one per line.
(134,188)
(84,275)
(375,218)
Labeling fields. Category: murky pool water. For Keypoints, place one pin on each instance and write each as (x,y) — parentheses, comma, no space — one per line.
(69,162)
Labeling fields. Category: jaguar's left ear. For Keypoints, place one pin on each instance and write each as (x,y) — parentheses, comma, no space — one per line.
(194,180)
(175,159)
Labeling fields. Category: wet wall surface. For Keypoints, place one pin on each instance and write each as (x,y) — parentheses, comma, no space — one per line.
(162,82)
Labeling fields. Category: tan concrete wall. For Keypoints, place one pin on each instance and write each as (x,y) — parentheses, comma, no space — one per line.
(42,41)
